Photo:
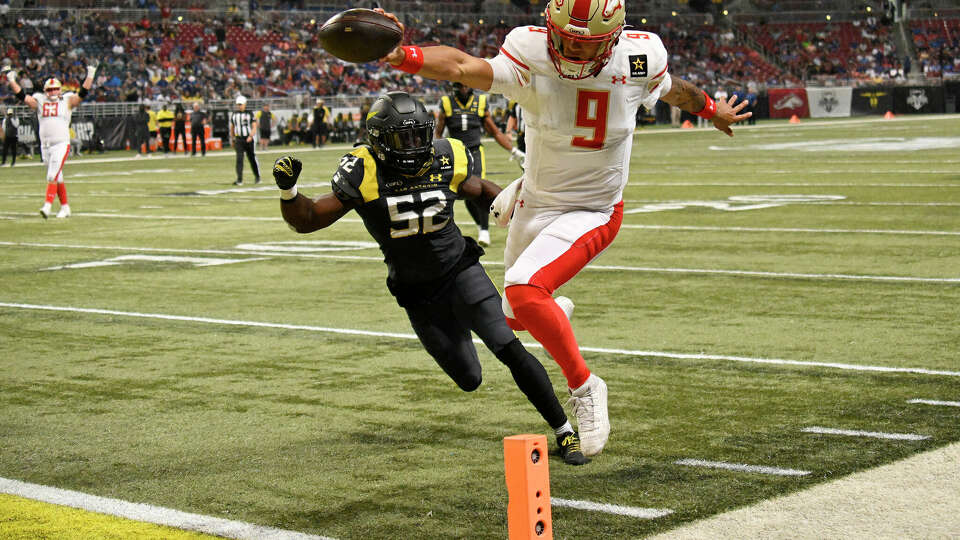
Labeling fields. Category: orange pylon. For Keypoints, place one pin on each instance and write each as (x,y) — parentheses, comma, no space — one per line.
(889,116)
(686,124)
(528,487)
(794,119)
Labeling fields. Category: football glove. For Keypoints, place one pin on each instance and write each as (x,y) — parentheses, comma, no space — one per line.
(517,154)
(92,69)
(502,207)
(12,76)
(286,170)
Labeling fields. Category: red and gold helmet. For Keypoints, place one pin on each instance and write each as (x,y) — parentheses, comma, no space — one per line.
(51,84)
(582,34)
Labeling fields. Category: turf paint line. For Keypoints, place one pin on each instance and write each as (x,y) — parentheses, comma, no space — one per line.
(641,269)
(785,184)
(741,467)
(397,335)
(872,434)
(150,514)
(212,154)
(934,402)
(788,230)
(631,511)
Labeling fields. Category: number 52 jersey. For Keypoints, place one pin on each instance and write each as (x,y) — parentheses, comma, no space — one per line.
(410,217)
(579,133)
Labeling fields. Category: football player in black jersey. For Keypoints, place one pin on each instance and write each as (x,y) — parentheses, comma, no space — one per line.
(465,116)
(403,184)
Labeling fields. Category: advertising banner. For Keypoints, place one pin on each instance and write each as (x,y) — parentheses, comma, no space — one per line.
(786,102)
(830,102)
(918,100)
(872,100)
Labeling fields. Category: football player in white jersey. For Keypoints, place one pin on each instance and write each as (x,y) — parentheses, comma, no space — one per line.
(54,109)
(580,81)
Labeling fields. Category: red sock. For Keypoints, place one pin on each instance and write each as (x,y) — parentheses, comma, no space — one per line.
(62,193)
(51,192)
(547,323)
(515,324)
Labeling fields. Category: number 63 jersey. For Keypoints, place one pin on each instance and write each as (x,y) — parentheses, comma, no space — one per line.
(579,133)
(410,217)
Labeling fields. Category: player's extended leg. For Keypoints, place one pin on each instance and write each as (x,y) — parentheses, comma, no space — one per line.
(478,211)
(553,247)
(55,156)
(448,342)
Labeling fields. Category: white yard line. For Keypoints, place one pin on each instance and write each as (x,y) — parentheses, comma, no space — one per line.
(871,434)
(934,402)
(398,335)
(788,230)
(150,514)
(739,467)
(592,267)
(788,184)
(631,511)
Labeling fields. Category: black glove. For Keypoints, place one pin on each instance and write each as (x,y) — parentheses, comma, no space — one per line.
(286,170)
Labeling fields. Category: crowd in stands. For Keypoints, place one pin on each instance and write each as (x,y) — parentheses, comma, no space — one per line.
(938,46)
(159,58)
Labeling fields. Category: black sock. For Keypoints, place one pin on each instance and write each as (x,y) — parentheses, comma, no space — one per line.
(533,381)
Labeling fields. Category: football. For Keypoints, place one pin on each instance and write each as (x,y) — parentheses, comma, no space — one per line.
(359,35)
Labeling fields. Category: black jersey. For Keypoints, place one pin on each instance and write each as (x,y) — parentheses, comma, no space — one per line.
(410,217)
(465,120)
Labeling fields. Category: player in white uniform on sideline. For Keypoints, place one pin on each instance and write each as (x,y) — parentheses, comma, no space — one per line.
(580,81)
(54,109)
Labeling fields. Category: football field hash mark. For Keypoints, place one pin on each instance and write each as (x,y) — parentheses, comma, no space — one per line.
(739,467)
(398,335)
(934,402)
(872,434)
(632,511)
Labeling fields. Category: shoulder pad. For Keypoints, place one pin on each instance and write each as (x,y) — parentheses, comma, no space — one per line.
(356,177)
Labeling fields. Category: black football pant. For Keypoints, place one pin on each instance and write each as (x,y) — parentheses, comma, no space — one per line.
(196,133)
(178,133)
(10,146)
(473,304)
(243,147)
(165,138)
(479,211)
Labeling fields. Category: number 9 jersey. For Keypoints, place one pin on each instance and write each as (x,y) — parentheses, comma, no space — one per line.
(410,217)
(579,133)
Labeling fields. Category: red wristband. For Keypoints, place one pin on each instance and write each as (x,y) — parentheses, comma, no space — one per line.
(709,109)
(412,60)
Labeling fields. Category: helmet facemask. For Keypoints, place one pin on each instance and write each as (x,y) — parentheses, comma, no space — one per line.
(585,23)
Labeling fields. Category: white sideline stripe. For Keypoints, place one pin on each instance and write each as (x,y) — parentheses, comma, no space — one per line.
(642,269)
(212,153)
(786,184)
(355,332)
(151,514)
(873,434)
(632,511)
(787,229)
(934,402)
(741,467)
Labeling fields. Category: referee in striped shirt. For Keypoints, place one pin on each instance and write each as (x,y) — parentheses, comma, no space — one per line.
(243,125)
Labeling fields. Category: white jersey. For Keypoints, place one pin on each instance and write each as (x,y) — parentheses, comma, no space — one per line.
(579,132)
(54,118)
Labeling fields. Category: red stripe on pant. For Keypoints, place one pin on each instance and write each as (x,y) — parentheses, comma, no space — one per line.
(536,312)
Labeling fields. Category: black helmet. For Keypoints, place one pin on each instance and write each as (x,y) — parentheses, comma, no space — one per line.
(400,130)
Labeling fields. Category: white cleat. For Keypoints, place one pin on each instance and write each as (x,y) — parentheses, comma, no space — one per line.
(483,237)
(566,305)
(45,210)
(589,404)
(64,211)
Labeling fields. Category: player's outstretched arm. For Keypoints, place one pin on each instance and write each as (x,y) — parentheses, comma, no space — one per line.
(75,99)
(441,63)
(18,91)
(688,97)
(302,214)
(479,189)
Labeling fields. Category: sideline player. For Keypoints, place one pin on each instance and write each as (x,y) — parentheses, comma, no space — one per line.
(579,81)
(54,110)
(464,114)
(403,183)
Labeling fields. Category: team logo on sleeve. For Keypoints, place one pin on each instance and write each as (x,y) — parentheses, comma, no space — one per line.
(638,65)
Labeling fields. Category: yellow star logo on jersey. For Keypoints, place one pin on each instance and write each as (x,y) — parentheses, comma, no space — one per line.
(444,160)
(436,177)
(638,64)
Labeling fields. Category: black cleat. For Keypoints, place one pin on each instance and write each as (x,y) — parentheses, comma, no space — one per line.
(569,444)
(257,180)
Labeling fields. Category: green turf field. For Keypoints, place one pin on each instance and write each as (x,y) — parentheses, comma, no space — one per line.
(174,343)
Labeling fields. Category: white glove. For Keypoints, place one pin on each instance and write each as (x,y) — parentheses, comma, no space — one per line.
(517,154)
(12,76)
(502,207)
(91,70)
